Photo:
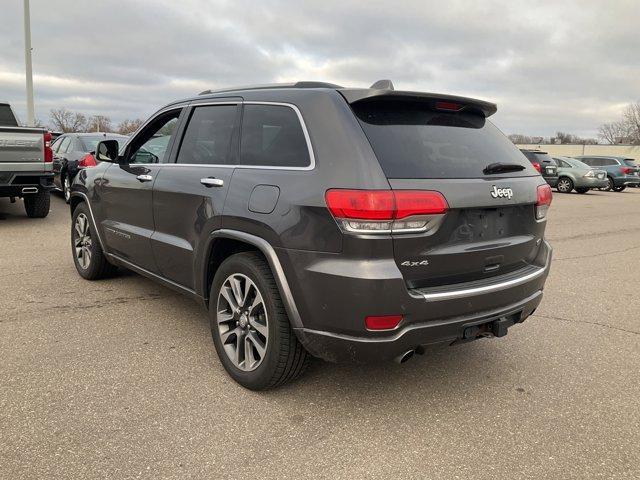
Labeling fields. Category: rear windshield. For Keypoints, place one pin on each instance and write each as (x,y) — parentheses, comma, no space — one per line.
(90,143)
(540,157)
(631,162)
(6,117)
(412,141)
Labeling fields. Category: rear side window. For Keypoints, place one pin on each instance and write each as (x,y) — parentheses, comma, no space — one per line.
(412,141)
(272,136)
(609,161)
(208,136)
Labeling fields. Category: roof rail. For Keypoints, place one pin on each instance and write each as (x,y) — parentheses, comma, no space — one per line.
(303,84)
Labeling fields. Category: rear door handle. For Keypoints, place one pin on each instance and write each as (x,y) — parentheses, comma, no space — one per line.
(144,178)
(212,182)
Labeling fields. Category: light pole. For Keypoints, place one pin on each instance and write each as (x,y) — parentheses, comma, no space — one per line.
(27,60)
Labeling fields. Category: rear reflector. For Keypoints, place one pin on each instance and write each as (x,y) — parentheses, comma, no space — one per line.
(383,211)
(544,201)
(48,153)
(383,322)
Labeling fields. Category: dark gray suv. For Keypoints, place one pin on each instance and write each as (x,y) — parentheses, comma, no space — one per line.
(310,219)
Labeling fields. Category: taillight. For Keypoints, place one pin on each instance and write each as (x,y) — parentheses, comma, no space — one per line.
(627,170)
(450,106)
(544,201)
(537,166)
(385,211)
(48,153)
(382,322)
(87,161)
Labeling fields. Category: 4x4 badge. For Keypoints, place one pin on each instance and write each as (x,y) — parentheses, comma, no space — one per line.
(501,192)
(408,263)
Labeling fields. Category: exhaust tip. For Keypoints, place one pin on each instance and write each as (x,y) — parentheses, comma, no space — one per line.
(30,190)
(404,357)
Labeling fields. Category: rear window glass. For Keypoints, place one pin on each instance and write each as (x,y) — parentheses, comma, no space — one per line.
(540,157)
(6,117)
(89,144)
(631,162)
(272,136)
(412,141)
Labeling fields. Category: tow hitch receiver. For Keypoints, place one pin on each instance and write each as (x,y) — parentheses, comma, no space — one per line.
(495,328)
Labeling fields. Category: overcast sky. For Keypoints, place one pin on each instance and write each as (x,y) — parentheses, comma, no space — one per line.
(549,65)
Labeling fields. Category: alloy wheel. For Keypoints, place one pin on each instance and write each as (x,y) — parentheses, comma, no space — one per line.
(242,322)
(66,188)
(564,185)
(82,241)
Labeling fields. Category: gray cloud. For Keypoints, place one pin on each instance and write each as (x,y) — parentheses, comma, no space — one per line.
(549,66)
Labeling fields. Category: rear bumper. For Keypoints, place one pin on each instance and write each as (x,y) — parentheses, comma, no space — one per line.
(588,182)
(334,295)
(345,348)
(626,180)
(23,183)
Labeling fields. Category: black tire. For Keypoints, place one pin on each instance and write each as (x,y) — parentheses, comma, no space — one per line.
(565,185)
(582,190)
(97,267)
(619,189)
(37,205)
(285,358)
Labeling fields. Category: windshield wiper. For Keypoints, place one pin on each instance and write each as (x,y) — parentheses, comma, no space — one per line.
(502,168)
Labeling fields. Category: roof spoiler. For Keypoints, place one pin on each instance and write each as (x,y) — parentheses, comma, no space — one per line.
(376,92)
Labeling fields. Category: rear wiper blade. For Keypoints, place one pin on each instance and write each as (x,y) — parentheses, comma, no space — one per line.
(502,168)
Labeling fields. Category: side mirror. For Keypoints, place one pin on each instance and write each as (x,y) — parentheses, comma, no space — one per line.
(107,151)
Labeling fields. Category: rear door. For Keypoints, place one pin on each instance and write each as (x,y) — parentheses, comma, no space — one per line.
(490,228)
(127,191)
(189,195)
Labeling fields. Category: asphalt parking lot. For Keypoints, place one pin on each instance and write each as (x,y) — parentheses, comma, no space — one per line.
(119,378)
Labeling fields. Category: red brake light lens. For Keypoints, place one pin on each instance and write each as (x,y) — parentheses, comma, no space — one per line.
(48,153)
(361,204)
(384,211)
(87,161)
(626,170)
(537,166)
(544,201)
(410,202)
(450,106)
(382,322)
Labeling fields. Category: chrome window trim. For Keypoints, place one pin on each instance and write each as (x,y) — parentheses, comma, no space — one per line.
(305,132)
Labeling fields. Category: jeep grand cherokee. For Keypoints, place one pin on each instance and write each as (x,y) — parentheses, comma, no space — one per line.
(314,220)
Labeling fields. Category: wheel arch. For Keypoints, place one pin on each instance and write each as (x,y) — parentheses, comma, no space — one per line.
(224,242)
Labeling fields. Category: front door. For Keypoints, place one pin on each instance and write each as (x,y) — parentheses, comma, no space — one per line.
(127,192)
(189,195)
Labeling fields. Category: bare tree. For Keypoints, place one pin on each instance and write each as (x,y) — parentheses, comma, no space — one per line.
(127,127)
(99,123)
(625,130)
(63,120)
(610,132)
(518,138)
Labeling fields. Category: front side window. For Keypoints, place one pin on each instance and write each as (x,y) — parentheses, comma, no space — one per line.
(151,145)
(207,139)
(272,136)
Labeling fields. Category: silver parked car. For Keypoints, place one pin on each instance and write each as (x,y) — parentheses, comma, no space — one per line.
(573,174)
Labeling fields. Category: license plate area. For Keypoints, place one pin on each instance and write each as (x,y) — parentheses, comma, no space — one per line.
(482,224)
